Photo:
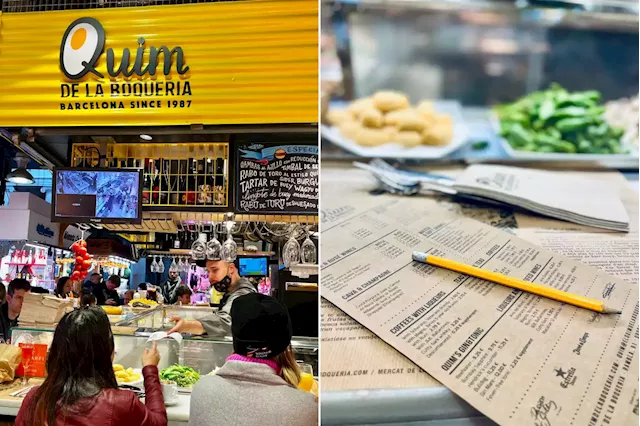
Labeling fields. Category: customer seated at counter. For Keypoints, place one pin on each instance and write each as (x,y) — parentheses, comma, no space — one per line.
(224,277)
(64,289)
(184,295)
(106,293)
(258,383)
(92,282)
(10,311)
(88,300)
(81,387)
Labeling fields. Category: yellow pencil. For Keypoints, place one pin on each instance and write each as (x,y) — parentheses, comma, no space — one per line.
(540,290)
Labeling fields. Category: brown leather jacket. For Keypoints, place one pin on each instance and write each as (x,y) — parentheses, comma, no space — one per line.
(113,407)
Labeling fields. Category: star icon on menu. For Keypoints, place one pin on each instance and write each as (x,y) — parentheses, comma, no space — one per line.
(560,373)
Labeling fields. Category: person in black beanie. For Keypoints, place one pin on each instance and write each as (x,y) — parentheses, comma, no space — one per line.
(258,383)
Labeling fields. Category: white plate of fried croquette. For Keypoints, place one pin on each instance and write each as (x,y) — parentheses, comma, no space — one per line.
(386,125)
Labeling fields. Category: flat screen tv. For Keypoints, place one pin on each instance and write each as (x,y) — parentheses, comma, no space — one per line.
(94,195)
(253,266)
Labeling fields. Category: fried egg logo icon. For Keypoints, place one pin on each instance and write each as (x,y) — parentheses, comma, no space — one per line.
(82,45)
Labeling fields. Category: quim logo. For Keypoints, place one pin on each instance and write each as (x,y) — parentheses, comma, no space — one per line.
(83,44)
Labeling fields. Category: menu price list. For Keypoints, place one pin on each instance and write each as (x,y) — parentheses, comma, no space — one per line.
(494,346)
(273,178)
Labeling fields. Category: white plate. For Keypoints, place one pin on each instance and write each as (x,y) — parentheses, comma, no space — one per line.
(560,156)
(392,150)
(137,383)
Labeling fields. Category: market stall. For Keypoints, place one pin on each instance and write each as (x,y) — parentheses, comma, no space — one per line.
(176,158)
(33,247)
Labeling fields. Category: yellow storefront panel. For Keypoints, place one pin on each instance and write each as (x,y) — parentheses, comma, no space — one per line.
(251,62)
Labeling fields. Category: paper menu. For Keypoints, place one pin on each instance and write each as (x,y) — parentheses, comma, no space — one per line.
(518,358)
(354,358)
(559,195)
(159,335)
(371,363)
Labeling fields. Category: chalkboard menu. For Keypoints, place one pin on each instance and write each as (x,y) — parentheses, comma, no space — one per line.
(276,178)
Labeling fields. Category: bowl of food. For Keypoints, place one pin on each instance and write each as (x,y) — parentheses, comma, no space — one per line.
(386,125)
(185,377)
(128,376)
(556,124)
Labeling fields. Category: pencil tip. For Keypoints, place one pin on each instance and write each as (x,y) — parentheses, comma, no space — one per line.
(606,310)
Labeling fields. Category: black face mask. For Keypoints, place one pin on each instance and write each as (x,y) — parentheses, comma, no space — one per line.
(223,285)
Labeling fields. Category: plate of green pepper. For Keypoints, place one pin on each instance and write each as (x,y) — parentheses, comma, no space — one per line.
(556,124)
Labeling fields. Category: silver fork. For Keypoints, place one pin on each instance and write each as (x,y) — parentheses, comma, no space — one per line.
(404,183)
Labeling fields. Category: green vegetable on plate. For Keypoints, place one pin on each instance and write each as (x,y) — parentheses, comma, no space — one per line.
(556,121)
(185,377)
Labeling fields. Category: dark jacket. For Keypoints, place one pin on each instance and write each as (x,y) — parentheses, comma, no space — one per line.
(168,291)
(5,323)
(112,407)
(219,323)
(102,294)
(87,287)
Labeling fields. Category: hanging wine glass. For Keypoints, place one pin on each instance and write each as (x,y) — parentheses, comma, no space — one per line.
(154,265)
(291,251)
(161,265)
(180,264)
(229,248)
(174,265)
(214,248)
(199,248)
(308,249)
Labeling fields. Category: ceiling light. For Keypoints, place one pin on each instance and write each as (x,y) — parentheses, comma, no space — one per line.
(20,176)
(146,137)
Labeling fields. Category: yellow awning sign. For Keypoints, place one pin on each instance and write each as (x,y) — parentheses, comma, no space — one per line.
(253,62)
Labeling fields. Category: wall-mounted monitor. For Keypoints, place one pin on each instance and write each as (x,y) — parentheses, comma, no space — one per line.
(93,195)
(253,266)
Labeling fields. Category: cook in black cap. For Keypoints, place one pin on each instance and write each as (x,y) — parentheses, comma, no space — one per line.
(224,277)
(258,383)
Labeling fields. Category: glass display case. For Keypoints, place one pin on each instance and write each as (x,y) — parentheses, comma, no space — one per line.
(148,320)
(132,329)
(478,54)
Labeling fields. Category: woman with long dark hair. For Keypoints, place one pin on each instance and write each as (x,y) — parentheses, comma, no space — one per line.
(81,387)
(64,288)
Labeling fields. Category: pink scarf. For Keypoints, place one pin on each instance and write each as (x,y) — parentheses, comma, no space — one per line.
(241,358)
